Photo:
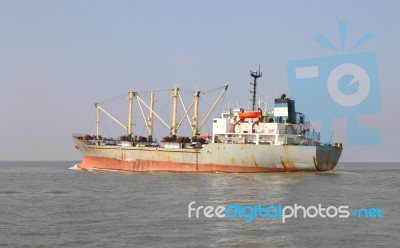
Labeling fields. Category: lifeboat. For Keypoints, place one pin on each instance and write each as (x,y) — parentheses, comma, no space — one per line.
(248,115)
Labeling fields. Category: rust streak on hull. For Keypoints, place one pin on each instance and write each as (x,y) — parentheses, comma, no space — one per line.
(90,162)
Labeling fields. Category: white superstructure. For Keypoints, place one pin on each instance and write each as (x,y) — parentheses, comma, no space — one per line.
(283,126)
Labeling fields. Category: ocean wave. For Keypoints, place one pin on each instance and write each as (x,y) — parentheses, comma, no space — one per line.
(75,167)
(9,192)
(95,170)
(337,172)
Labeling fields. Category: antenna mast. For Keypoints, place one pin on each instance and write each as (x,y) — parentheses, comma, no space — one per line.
(255,75)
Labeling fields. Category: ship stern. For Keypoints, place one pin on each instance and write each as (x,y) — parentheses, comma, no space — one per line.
(327,157)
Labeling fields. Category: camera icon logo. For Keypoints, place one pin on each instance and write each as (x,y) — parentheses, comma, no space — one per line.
(359,75)
(338,86)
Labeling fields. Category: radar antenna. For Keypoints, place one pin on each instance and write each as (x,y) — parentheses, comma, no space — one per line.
(255,75)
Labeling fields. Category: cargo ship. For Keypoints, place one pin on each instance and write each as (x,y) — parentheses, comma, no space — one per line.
(241,140)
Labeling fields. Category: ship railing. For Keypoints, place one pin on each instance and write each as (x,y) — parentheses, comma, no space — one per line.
(232,140)
(77,135)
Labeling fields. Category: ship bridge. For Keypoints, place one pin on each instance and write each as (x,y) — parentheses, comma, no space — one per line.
(282,126)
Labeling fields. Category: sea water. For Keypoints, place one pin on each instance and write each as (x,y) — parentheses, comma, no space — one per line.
(54,204)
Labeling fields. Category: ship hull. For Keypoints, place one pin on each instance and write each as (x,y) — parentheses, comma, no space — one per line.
(213,157)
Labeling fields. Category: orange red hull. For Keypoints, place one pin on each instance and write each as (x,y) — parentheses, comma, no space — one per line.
(91,162)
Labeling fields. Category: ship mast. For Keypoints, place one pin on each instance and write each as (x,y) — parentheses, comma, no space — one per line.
(195,129)
(151,119)
(97,122)
(255,75)
(130,117)
(174,110)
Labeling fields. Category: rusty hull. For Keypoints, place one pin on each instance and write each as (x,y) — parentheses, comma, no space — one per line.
(213,157)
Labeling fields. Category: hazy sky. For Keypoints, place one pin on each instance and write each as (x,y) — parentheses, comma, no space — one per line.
(57,58)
